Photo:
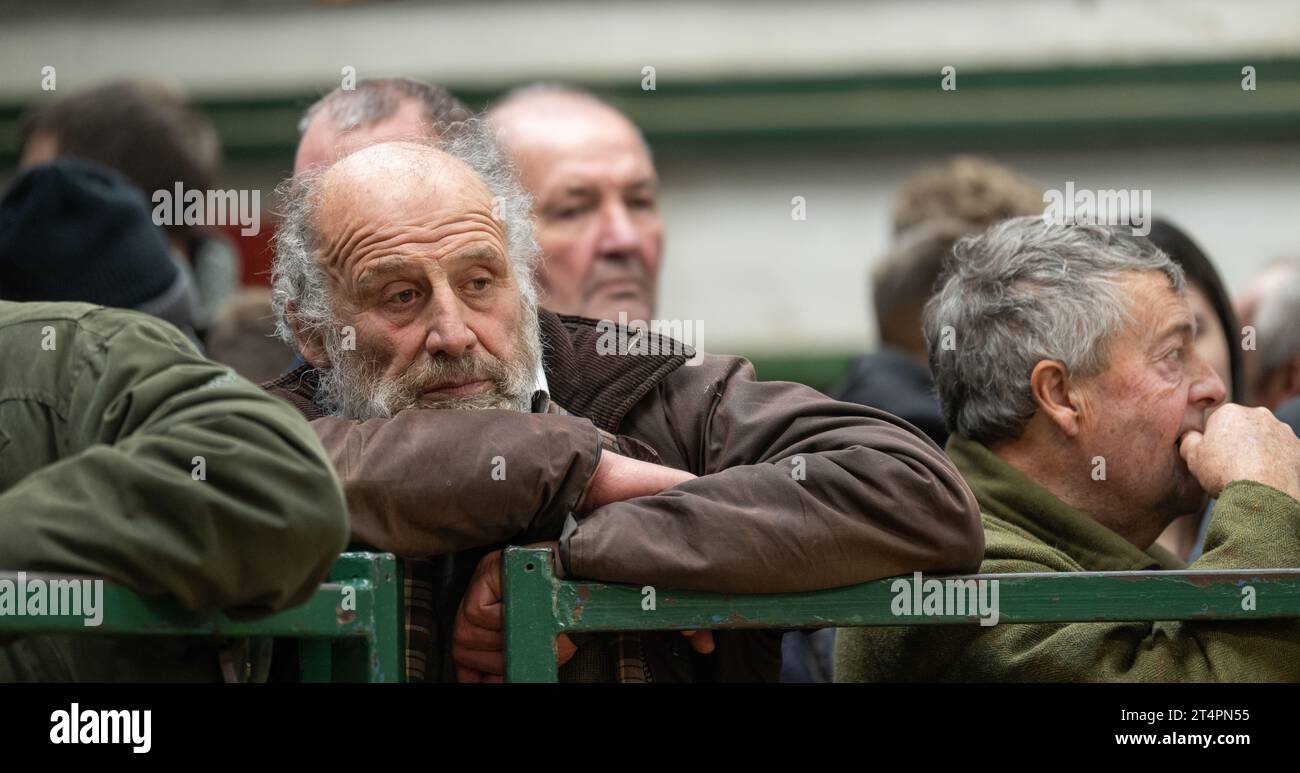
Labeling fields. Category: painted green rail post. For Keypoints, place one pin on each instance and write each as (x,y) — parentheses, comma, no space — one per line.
(539,606)
(351,625)
(530,619)
(376,654)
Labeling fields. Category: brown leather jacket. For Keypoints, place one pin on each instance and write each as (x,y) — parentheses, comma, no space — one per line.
(796,492)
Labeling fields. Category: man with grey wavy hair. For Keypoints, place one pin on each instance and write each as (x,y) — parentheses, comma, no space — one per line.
(1028,293)
(1085,421)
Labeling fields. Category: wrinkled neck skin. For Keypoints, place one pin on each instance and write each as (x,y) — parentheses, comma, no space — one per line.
(1065,470)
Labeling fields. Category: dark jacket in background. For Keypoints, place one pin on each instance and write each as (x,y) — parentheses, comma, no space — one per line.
(797,492)
(897,384)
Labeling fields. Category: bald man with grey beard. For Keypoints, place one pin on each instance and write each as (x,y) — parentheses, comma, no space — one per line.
(461,418)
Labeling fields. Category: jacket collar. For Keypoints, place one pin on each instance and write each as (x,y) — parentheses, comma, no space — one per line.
(577,375)
(598,385)
(1007,494)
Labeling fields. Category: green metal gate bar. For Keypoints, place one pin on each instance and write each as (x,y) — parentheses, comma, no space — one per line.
(348,630)
(539,606)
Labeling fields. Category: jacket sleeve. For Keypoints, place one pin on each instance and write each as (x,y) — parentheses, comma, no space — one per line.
(1254,527)
(428,482)
(174,476)
(797,492)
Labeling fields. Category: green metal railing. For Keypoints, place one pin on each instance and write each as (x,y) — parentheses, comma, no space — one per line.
(539,606)
(351,627)
(349,630)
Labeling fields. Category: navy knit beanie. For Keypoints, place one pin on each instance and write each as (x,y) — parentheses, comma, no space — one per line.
(71,230)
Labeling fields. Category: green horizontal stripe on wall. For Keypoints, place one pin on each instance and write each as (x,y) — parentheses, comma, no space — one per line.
(819,371)
(1039,108)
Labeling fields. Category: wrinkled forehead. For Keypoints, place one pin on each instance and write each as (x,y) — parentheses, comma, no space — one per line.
(1156,308)
(399,181)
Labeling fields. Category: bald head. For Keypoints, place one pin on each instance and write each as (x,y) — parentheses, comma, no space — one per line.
(596,200)
(397,182)
(557,115)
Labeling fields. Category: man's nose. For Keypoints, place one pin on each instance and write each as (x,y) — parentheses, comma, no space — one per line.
(1207,388)
(448,332)
(618,234)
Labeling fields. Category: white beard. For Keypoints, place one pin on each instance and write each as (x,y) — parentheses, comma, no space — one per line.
(353,387)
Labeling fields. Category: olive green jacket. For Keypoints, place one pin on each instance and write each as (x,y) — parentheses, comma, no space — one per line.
(1027,529)
(124,454)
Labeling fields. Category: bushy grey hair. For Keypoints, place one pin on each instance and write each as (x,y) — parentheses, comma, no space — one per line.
(1277,328)
(299,285)
(1023,291)
(375,99)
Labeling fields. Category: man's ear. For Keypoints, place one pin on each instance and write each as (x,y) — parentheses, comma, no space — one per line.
(309,343)
(1057,400)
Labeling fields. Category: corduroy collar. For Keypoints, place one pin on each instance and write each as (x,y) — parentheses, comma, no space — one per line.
(601,387)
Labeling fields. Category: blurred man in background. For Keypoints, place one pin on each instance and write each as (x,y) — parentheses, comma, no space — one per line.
(595,200)
(934,208)
(378,109)
(1247,304)
(896,377)
(152,135)
(1277,345)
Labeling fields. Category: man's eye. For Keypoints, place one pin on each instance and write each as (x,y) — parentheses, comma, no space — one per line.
(567,213)
(641,203)
(1176,354)
(402,298)
(480,284)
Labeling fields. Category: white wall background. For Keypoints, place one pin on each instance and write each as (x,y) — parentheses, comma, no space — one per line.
(761,281)
(735,259)
(236,47)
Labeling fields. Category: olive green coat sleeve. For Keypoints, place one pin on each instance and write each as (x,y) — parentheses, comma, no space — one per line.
(1253,527)
(124,453)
